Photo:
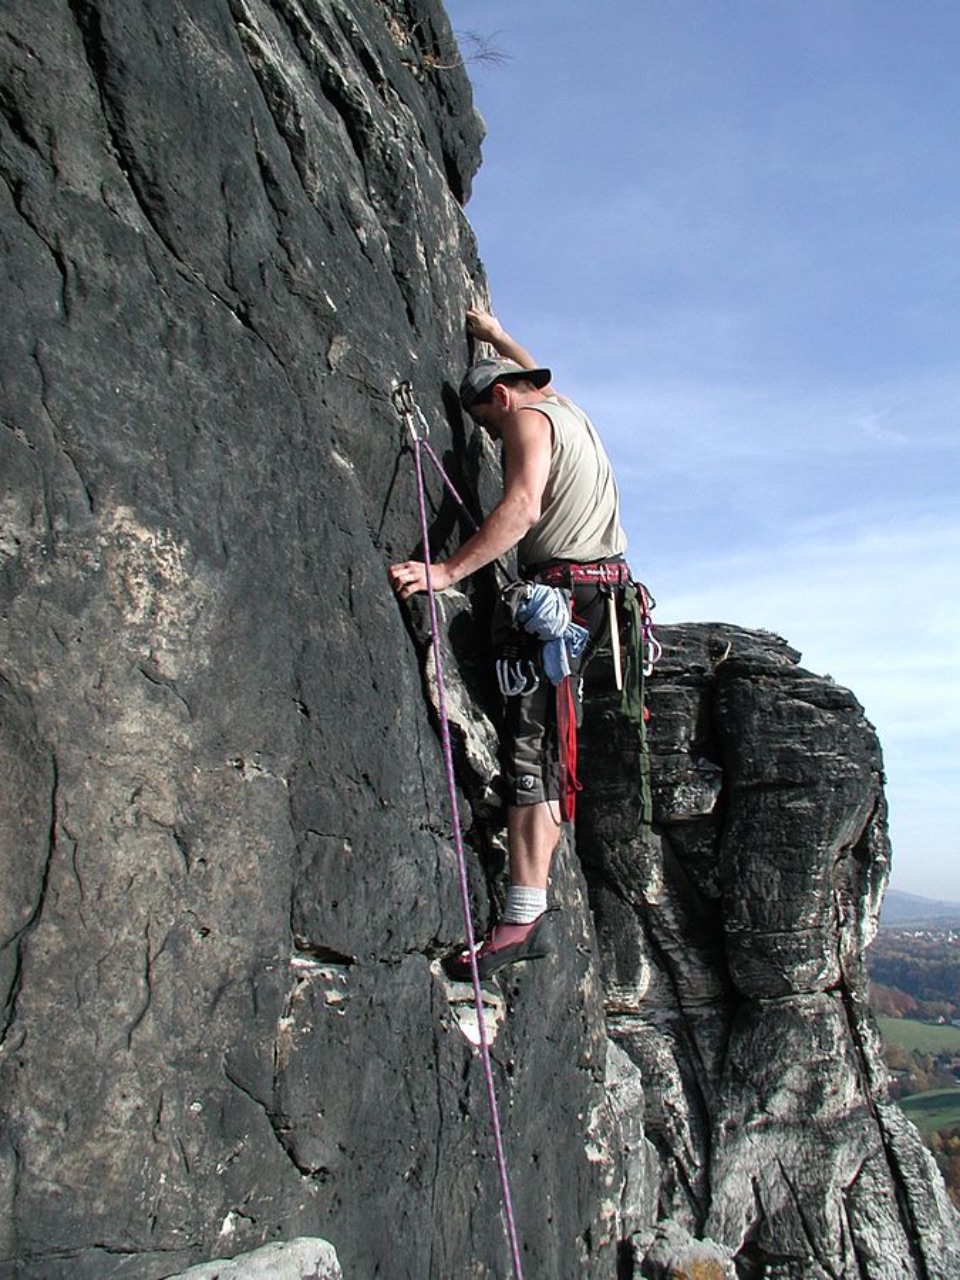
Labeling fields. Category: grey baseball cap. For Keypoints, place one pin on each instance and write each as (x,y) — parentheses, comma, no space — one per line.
(481,377)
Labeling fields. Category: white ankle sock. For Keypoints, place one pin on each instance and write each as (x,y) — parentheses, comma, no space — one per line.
(523,904)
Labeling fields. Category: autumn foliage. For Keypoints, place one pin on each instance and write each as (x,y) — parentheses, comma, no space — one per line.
(915,976)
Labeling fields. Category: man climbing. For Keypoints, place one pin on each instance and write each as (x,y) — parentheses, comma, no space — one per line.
(561,509)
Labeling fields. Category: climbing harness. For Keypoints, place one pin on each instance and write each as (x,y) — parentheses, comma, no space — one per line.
(545,612)
(633,663)
(406,407)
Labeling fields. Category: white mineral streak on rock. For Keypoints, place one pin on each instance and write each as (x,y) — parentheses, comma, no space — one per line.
(464,1009)
(300,1259)
(160,594)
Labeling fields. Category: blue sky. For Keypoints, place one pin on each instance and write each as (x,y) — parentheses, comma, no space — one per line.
(731,228)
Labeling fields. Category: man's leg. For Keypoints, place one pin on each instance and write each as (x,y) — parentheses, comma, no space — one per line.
(532,773)
(533,832)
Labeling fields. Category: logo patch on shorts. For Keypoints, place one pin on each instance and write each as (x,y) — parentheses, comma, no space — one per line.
(526,782)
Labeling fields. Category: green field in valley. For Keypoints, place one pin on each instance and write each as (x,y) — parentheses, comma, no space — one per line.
(920,1037)
(934,1110)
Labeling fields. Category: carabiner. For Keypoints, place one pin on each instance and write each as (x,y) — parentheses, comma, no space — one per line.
(405,404)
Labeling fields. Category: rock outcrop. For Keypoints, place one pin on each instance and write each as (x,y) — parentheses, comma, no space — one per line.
(291,1260)
(732,947)
(229,229)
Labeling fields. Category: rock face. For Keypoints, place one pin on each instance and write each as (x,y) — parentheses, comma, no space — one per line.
(732,949)
(292,1260)
(229,228)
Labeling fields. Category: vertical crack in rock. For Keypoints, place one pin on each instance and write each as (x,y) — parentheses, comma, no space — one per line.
(89,25)
(277,1123)
(17,942)
(150,956)
(809,1231)
(59,258)
(473,737)
(61,436)
(896,1142)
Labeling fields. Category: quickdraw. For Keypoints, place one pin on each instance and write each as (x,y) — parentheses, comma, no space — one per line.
(652,648)
(405,403)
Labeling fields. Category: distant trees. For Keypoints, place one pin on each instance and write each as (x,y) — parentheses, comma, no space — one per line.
(915,974)
(945,1145)
(913,1072)
(888,1002)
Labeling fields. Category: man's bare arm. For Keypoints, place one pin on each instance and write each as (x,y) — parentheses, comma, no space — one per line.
(526,440)
(487,328)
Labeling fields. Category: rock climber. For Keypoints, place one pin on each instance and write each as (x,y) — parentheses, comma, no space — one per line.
(561,509)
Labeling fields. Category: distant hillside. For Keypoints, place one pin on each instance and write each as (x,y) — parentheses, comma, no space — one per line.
(901,909)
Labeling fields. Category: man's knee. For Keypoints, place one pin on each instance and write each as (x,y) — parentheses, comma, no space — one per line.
(525,788)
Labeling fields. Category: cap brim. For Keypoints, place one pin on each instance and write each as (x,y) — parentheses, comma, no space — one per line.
(539,378)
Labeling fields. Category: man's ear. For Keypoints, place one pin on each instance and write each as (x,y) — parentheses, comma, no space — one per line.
(501,395)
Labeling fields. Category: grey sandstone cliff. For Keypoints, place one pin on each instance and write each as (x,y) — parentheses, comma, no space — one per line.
(732,950)
(226,862)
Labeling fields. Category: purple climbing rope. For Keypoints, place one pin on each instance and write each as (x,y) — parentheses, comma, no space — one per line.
(419,443)
(428,449)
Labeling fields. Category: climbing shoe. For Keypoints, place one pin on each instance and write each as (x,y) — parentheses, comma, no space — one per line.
(504,944)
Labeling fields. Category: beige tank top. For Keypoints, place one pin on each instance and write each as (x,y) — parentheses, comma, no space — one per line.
(580,513)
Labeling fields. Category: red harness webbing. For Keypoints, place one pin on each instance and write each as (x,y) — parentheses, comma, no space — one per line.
(567,735)
(611,573)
